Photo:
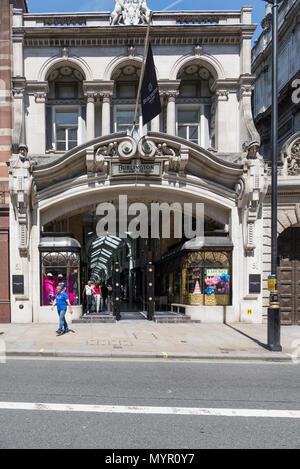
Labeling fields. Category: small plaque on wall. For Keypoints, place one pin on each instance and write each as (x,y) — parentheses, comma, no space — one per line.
(254,283)
(18,284)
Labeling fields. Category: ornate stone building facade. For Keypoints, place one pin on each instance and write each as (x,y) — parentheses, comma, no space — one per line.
(75,86)
(6,72)
(289,147)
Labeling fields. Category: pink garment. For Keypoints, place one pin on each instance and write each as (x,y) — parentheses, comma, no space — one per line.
(72,298)
(49,291)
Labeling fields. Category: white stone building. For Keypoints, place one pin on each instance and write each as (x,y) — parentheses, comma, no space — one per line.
(289,148)
(75,85)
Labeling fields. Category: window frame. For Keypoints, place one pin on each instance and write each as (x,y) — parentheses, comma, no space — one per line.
(204,139)
(79,126)
(131,107)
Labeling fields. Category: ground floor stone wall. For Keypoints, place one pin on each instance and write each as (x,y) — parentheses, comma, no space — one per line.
(4,266)
(288,216)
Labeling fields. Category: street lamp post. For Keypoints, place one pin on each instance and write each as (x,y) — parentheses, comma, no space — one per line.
(274,309)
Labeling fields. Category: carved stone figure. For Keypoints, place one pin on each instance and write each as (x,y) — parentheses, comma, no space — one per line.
(117,13)
(130,12)
(108,150)
(20,169)
(293,159)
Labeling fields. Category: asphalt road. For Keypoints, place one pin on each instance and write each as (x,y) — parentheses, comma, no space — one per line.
(157,385)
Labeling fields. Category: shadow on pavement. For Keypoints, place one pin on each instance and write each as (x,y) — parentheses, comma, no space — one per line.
(261,344)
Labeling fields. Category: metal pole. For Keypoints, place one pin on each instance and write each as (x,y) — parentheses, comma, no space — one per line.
(142,71)
(274,309)
(150,291)
(116,291)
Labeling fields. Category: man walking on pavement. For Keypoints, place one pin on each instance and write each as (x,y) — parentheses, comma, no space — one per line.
(62,301)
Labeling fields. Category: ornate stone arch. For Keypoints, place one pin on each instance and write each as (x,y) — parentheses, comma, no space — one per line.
(288,217)
(121,61)
(208,61)
(53,62)
(291,155)
(118,62)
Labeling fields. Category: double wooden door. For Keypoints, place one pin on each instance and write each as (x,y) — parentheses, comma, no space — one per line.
(289,275)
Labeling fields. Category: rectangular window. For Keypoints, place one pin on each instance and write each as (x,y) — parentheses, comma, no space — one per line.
(193,122)
(189,125)
(66,129)
(123,118)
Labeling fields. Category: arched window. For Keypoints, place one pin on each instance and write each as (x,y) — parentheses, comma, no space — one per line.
(194,120)
(126,80)
(65,112)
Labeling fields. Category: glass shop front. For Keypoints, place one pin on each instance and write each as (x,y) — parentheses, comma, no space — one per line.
(200,277)
(60,259)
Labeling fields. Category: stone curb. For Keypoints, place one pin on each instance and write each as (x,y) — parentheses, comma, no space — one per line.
(273,357)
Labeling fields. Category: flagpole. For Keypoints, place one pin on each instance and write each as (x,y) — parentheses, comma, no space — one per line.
(142,71)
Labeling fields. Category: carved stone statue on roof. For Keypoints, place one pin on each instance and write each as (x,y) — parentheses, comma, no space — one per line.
(130,12)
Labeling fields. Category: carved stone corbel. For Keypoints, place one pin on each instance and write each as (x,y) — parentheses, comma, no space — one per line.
(250,138)
(177,160)
(95,161)
(251,190)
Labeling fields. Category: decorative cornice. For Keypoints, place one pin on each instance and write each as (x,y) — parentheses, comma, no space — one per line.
(159,147)
(246,83)
(79,37)
(38,89)
(98,89)
(169,88)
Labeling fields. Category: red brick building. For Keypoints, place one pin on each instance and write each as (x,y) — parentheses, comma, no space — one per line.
(6,126)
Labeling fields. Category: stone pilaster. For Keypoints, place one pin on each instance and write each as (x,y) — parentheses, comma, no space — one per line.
(18,89)
(90,116)
(106,97)
(102,91)
(36,125)
(171,112)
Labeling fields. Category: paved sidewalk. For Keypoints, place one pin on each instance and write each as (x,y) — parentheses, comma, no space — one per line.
(143,339)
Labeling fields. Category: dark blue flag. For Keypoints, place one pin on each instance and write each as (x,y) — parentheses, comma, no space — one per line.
(149,92)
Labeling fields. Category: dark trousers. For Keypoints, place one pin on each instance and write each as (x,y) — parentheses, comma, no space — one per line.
(89,299)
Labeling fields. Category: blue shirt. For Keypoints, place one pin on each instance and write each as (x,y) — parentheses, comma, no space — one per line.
(61,301)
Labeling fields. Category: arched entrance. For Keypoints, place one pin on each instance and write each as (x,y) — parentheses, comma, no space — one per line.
(289,275)
(208,281)
(179,277)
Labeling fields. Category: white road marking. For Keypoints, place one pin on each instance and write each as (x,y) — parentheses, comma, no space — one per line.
(114,409)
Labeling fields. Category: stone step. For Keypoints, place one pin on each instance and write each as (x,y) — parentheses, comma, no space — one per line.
(173,318)
(105,318)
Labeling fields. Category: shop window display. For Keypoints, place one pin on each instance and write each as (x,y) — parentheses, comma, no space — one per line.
(199,277)
(208,278)
(60,268)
